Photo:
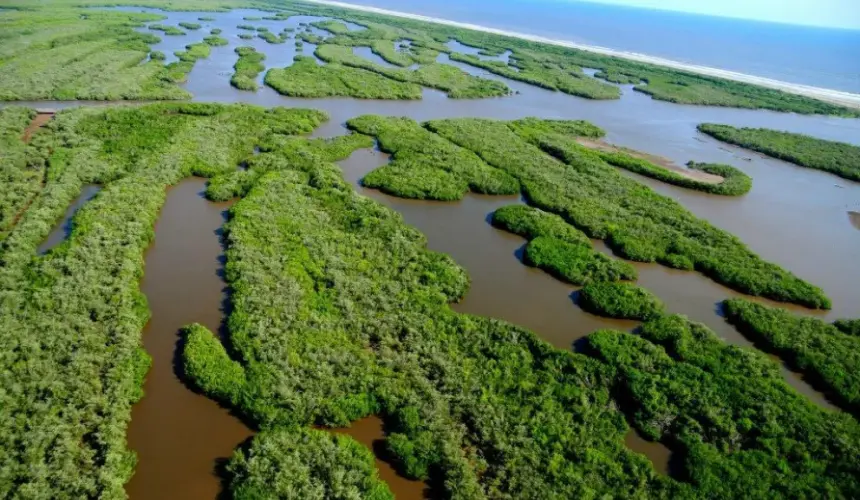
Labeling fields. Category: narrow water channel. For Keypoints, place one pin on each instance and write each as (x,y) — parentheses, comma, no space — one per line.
(178,434)
(64,227)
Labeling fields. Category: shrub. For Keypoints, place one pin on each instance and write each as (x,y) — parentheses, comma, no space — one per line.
(620,300)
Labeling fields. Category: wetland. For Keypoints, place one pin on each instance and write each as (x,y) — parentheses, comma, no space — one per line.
(394,279)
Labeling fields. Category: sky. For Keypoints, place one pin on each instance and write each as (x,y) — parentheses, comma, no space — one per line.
(827,13)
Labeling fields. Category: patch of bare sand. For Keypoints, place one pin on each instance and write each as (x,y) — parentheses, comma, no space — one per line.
(660,161)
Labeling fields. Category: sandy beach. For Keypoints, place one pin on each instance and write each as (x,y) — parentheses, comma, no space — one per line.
(828,95)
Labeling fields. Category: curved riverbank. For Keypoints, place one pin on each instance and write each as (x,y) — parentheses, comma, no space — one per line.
(828,95)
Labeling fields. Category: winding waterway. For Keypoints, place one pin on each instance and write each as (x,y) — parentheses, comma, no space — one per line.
(794,217)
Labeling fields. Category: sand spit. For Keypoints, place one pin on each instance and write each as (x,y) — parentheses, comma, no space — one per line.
(832,96)
(666,163)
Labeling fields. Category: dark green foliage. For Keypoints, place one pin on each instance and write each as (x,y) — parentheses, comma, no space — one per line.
(743,432)
(305,78)
(206,18)
(215,31)
(838,158)
(247,27)
(530,222)
(829,356)
(271,37)
(457,83)
(425,166)
(620,300)
(209,365)
(248,67)
(591,195)
(848,326)
(340,311)
(304,463)
(71,362)
(157,55)
(190,26)
(575,263)
(246,36)
(252,18)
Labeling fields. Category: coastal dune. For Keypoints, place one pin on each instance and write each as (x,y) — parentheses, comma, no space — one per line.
(828,95)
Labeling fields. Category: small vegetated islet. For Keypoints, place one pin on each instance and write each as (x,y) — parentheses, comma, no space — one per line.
(838,158)
(248,67)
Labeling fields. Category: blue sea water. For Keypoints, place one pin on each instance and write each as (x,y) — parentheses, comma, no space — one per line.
(821,57)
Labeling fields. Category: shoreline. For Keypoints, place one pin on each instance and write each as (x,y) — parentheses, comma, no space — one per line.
(839,97)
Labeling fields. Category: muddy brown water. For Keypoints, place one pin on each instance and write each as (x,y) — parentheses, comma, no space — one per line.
(794,217)
(178,434)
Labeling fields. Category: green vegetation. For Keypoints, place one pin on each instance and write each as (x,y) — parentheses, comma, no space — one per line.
(457,83)
(215,41)
(248,67)
(157,55)
(206,18)
(167,30)
(215,31)
(636,222)
(741,430)
(340,311)
(70,357)
(273,38)
(305,78)
(530,222)
(620,300)
(66,54)
(252,18)
(575,263)
(554,75)
(194,52)
(838,158)
(191,26)
(246,36)
(829,356)
(734,183)
(304,463)
(247,27)
(21,169)
(333,27)
(425,166)
(848,326)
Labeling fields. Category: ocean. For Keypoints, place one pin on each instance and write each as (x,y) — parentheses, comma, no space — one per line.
(820,57)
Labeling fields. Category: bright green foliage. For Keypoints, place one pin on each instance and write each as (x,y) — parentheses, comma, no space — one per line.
(167,30)
(340,311)
(71,362)
(68,54)
(215,41)
(595,198)
(305,78)
(826,354)
(248,67)
(271,37)
(22,168)
(209,365)
(194,52)
(530,222)
(743,432)
(575,263)
(191,26)
(838,158)
(616,76)
(848,326)
(332,26)
(386,50)
(425,166)
(552,75)
(309,37)
(308,464)
(620,300)
(735,182)
(457,83)
(537,126)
